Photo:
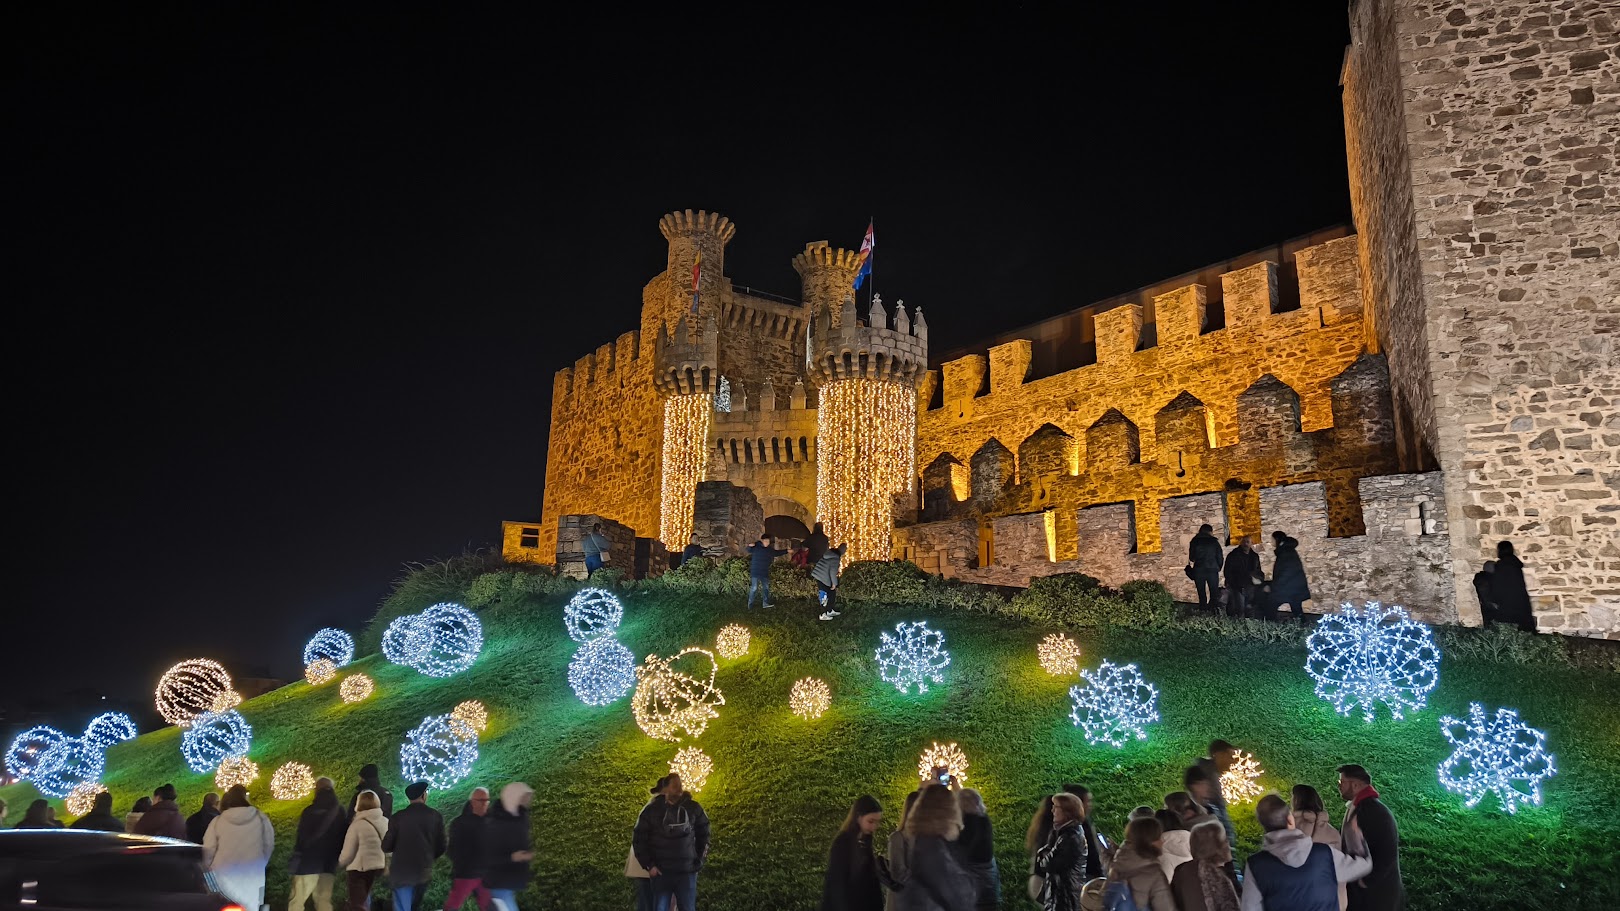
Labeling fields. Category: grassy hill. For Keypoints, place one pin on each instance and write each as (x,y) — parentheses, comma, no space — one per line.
(781,785)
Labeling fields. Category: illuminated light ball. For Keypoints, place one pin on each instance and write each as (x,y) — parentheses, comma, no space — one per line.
(320,671)
(693,765)
(406,640)
(1499,755)
(1059,656)
(441,641)
(355,688)
(214,737)
(82,799)
(226,701)
(602,671)
(473,713)
(191,688)
(1241,782)
(1115,705)
(810,698)
(334,645)
(27,748)
(592,614)
(66,765)
(236,770)
(948,755)
(913,656)
(292,781)
(109,728)
(440,751)
(732,642)
(668,703)
(1357,660)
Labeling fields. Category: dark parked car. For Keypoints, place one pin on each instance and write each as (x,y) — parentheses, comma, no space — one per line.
(70,869)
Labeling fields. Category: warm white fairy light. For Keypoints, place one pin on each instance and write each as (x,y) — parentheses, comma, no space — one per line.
(440,751)
(1115,705)
(293,781)
(213,737)
(441,641)
(810,698)
(592,614)
(191,688)
(66,765)
(1499,755)
(224,701)
(693,765)
(732,642)
(913,656)
(355,688)
(236,770)
(1241,782)
(332,644)
(946,755)
(1359,660)
(602,671)
(1059,655)
(320,671)
(865,454)
(686,457)
(473,713)
(82,800)
(28,748)
(109,728)
(668,703)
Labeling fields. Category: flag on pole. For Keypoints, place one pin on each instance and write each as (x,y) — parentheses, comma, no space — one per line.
(697,270)
(868,246)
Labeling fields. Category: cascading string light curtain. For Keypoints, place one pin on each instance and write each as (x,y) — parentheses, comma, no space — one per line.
(686,458)
(865,453)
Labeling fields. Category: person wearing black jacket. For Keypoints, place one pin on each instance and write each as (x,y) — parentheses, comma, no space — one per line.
(1369,831)
(508,846)
(851,883)
(1509,590)
(671,842)
(976,851)
(1204,560)
(1288,585)
(416,839)
(197,823)
(100,818)
(315,852)
(1061,861)
(760,557)
(467,852)
(816,544)
(1243,577)
(369,782)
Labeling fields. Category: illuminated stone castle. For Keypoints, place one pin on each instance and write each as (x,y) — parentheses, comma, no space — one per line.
(1398,399)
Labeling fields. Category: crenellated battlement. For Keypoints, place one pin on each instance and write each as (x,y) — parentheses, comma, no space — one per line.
(742,311)
(686,360)
(685,224)
(826,274)
(604,365)
(844,347)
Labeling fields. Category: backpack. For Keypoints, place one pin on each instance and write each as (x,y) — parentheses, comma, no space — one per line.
(1117,897)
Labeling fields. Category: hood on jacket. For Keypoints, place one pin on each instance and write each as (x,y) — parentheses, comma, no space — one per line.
(239,816)
(1129,863)
(374,813)
(1291,846)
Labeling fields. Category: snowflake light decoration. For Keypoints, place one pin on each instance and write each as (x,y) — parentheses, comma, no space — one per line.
(732,642)
(109,728)
(1358,660)
(913,656)
(82,799)
(320,671)
(68,764)
(213,737)
(810,698)
(1115,705)
(1059,656)
(668,703)
(693,765)
(193,687)
(292,781)
(440,751)
(441,641)
(356,688)
(334,645)
(473,713)
(602,671)
(1241,782)
(236,770)
(948,755)
(1500,755)
(29,747)
(592,614)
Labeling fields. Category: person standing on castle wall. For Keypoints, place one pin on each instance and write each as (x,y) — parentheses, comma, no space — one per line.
(1243,578)
(826,575)
(760,557)
(1509,590)
(1204,561)
(1288,584)
(597,550)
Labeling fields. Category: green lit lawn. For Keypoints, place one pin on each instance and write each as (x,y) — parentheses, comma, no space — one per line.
(782,785)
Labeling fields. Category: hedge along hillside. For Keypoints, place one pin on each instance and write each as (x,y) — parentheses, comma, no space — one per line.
(782,785)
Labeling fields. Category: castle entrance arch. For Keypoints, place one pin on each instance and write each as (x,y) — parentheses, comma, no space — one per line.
(786,528)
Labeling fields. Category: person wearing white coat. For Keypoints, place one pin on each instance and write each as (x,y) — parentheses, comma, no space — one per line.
(236,848)
(362,857)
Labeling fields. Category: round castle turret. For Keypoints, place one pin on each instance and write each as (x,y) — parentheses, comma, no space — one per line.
(884,347)
(685,352)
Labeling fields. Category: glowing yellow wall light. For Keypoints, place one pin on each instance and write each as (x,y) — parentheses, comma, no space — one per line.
(686,458)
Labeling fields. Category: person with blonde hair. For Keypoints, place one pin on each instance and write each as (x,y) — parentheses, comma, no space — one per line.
(934,880)
(1136,866)
(1202,884)
(509,846)
(362,857)
(893,862)
(1061,862)
(976,849)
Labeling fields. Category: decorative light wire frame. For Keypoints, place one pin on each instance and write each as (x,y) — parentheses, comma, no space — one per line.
(668,703)
(686,456)
(192,688)
(866,451)
(330,643)
(1358,660)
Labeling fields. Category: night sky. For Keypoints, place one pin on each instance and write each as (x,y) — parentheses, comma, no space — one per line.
(289,287)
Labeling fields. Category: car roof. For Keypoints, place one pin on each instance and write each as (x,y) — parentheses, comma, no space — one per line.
(65,842)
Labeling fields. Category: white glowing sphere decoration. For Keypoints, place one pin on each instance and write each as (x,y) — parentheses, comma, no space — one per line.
(669,703)
(1059,656)
(27,748)
(356,688)
(109,728)
(1359,660)
(66,765)
(694,766)
(1115,705)
(473,713)
(732,642)
(440,751)
(334,645)
(236,770)
(192,688)
(213,737)
(225,701)
(82,799)
(1241,782)
(1498,755)
(441,641)
(320,671)
(406,641)
(948,755)
(602,671)
(592,614)
(810,698)
(293,781)
(913,656)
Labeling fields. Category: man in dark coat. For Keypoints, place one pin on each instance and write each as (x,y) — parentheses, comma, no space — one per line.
(1369,831)
(315,852)
(164,818)
(693,550)
(370,782)
(1483,582)
(1204,559)
(816,544)
(760,557)
(1243,578)
(467,851)
(1510,592)
(1287,585)
(671,841)
(100,818)
(416,839)
(197,823)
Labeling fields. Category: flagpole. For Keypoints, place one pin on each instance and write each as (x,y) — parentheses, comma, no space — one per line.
(871,224)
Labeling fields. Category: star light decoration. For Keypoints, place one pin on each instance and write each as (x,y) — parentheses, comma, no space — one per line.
(69,763)
(668,703)
(214,737)
(320,671)
(1357,660)
(1115,705)
(473,713)
(913,656)
(1241,782)
(810,698)
(602,671)
(441,641)
(236,770)
(192,688)
(29,747)
(109,728)
(732,642)
(82,800)
(693,765)
(592,614)
(1059,655)
(292,781)
(1500,755)
(948,755)
(440,751)
(355,688)
(334,645)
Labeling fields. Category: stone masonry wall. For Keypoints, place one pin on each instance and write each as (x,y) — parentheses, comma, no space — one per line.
(570,553)
(770,450)
(726,519)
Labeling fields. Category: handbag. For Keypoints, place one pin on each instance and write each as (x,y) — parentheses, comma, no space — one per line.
(633,868)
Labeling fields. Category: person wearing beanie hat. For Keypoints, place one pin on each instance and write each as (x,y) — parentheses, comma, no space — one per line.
(416,838)
(370,782)
(508,846)
(671,842)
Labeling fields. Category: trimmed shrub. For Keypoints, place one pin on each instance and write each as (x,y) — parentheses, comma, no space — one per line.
(887,582)
(1500,643)
(488,588)
(1076,599)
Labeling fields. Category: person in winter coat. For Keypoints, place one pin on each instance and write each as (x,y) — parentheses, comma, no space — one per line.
(39,815)
(197,823)
(1292,873)
(1311,818)
(1243,578)
(976,850)
(1176,849)
(934,880)
(237,846)
(467,833)
(598,550)
(851,883)
(1287,585)
(1061,861)
(1202,780)
(826,575)
(816,544)
(416,839)
(1136,866)
(1509,590)
(761,555)
(164,817)
(671,843)
(1203,884)
(898,851)
(508,847)
(100,818)
(315,852)
(136,812)
(1369,831)
(691,551)
(370,782)
(362,857)
(1204,559)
